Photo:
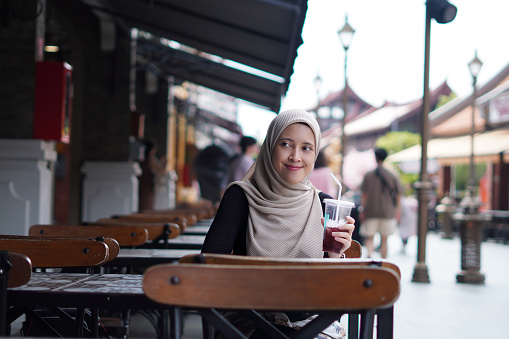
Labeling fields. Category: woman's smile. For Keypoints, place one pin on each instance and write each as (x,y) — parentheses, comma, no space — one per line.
(293,168)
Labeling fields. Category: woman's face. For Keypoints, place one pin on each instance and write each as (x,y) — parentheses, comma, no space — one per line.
(293,156)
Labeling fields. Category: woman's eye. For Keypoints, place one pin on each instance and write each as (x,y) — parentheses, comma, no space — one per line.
(307,148)
(285,144)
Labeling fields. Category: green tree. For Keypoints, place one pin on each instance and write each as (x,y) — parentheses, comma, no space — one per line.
(394,142)
(443,99)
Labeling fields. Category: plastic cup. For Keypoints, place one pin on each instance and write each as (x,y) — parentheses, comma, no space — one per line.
(336,212)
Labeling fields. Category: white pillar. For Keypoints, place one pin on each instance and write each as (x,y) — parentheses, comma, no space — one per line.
(165,187)
(109,188)
(27,184)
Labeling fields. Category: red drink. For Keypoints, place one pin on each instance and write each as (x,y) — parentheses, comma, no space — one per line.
(329,244)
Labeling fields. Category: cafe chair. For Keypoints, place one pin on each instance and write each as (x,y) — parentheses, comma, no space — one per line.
(192,218)
(73,254)
(110,324)
(206,205)
(181,221)
(158,233)
(126,236)
(15,270)
(21,269)
(57,252)
(294,285)
(354,251)
(199,212)
(385,328)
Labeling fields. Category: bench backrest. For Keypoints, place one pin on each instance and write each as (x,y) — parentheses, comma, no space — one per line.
(212,209)
(355,250)
(150,217)
(113,246)
(19,270)
(229,259)
(58,252)
(180,221)
(273,287)
(200,213)
(131,235)
(154,230)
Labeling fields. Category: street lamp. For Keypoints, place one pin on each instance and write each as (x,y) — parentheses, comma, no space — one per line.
(345,35)
(470,220)
(318,85)
(443,12)
(474,67)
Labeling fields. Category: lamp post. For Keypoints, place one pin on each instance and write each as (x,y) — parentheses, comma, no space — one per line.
(345,35)
(443,12)
(470,220)
(318,86)
(474,67)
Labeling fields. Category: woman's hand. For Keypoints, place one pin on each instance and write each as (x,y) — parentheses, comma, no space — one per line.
(343,236)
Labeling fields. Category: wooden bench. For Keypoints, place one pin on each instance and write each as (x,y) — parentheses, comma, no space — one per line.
(21,270)
(355,250)
(182,222)
(62,253)
(15,270)
(59,252)
(199,212)
(330,290)
(230,259)
(152,217)
(158,233)
(198,205)
(385,328)
(126,236)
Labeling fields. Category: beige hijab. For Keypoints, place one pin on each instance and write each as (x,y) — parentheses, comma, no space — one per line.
(284,218)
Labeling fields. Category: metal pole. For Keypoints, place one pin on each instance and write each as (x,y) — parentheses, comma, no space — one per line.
(471,182)
(345,106)
(423,186)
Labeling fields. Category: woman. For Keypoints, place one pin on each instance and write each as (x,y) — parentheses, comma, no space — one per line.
(321,176)
(275,211)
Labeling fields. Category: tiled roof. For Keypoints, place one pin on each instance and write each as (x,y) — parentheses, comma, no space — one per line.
(382,118)
(457,113)
(459,124)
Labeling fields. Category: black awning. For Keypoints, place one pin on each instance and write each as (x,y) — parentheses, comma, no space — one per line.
(202,71)
(262,34)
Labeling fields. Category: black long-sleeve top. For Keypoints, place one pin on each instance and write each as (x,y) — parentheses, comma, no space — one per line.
(227,234)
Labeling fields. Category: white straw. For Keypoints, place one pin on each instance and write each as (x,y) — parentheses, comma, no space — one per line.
(340,187)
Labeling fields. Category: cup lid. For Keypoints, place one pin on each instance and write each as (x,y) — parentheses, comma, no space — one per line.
(344,203)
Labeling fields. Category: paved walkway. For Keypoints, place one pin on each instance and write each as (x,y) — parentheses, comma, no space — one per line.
(444,308)
(441,309)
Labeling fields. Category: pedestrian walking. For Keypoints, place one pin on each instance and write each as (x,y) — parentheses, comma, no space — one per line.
(381,193)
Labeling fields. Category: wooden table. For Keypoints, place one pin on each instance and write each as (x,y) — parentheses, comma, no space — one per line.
(203,222)
(112,291)
(143,258)
(197,230)
(182,242)
(85,291)
(189,242)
